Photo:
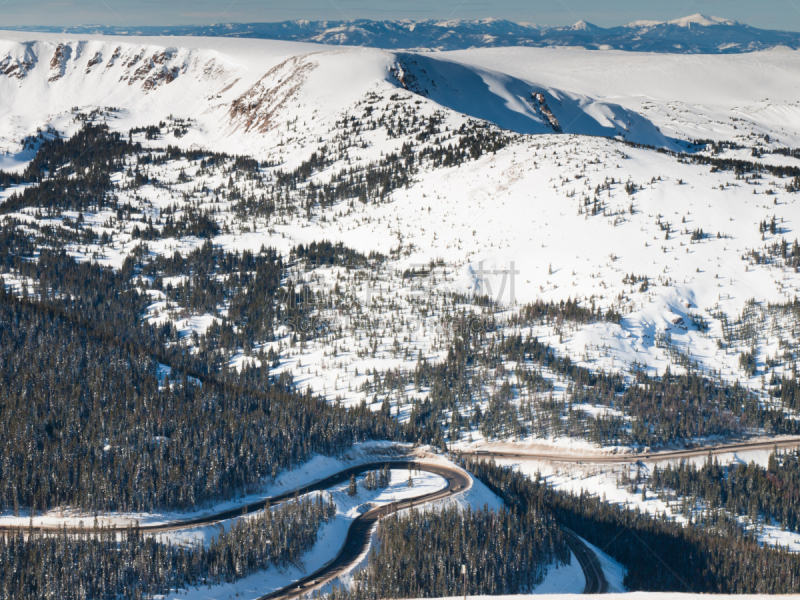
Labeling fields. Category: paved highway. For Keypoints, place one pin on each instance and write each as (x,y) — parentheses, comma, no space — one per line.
(592,571)
(322,484)
(568,457)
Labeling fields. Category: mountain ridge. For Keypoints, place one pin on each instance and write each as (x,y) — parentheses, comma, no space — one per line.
(252,86)
(693,34)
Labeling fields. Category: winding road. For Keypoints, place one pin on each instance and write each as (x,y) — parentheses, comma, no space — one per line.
(358,535)
(457,481)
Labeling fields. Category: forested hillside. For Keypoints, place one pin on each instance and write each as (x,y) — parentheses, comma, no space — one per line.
(422,552)
(659,554)
(107,563)
(116,378)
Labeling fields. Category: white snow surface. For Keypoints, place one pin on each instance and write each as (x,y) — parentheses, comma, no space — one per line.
(697,96)
(271,82)
(562,579)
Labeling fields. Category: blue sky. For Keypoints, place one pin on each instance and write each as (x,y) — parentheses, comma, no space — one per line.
(766,14)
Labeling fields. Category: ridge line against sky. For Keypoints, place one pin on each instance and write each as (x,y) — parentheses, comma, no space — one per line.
(764,14)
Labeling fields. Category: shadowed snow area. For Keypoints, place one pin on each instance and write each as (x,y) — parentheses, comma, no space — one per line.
(509,101)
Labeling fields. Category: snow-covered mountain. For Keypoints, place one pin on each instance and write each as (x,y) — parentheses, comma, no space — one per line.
(562,199)
(242,89)
(687,35)
(280,102)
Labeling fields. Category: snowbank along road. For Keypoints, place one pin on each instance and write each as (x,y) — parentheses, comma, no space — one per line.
(457,481)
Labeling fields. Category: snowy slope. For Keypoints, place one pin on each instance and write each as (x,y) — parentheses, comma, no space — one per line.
(519,210)
(687,97)
(507,211)
(238,90)
(546,217)
(243,92)
(505,100)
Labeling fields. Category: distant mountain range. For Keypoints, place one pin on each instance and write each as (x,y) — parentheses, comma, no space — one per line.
(690,35)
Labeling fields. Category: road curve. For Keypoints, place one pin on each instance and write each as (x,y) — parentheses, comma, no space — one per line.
(448,473)
(592,571)
(783,443)
(358,535)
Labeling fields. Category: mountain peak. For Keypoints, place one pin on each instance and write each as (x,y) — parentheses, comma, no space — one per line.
(696,19)
(705,21)
(583,26)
